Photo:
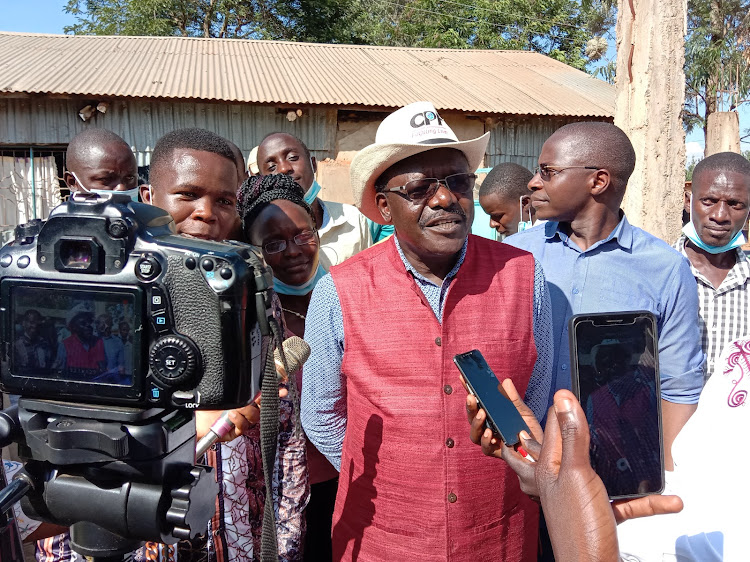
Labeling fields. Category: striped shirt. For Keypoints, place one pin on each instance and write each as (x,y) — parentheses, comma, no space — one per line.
(724,312)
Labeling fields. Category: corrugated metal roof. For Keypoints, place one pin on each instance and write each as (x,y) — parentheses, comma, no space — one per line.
(274,72)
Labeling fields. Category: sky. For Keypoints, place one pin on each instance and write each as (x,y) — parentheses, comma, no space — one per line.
(48,16)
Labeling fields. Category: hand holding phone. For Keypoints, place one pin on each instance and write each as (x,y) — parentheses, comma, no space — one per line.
(503,417)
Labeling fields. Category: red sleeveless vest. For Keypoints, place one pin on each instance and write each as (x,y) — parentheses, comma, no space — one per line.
(412,486)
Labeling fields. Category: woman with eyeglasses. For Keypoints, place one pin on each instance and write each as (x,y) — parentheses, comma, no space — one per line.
(276,218)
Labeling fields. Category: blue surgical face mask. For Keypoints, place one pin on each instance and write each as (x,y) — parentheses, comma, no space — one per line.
(523,225)
(133,193)
(315,188)
(689,231)
(299,290)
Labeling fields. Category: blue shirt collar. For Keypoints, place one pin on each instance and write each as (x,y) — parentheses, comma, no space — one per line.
(452,273)
(622,234)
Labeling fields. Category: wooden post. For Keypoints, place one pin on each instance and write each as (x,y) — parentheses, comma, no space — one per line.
(650,86)
(723,132)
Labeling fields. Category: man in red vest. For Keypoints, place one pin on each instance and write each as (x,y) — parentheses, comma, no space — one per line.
(381,397)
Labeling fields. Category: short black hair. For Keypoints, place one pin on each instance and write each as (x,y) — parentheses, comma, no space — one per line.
(723,162)
(508,180)
(601,144)
(191,139)
(239,159)
(299,140)
(257,192)
(80,145)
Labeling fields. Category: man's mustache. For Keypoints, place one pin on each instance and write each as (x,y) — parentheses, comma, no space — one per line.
(452,211)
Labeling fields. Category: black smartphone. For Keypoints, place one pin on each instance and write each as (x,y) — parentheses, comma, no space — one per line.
(615,375)
(502,416)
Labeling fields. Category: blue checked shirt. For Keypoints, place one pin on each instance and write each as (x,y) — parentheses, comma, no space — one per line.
(628,270)
(323,409)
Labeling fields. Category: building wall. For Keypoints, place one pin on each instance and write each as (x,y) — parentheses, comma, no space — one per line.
(39,120)
(333,136)
(513,139)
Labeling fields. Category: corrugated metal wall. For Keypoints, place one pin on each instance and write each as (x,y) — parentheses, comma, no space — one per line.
(520,140)
(42,121)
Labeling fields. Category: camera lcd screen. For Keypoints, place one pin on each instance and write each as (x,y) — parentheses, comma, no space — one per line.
(78,336)
(618,386)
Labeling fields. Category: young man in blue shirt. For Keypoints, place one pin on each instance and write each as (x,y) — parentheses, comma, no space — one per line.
(596,261)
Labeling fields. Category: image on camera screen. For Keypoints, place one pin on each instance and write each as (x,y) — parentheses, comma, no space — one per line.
(617,378)
(73,335)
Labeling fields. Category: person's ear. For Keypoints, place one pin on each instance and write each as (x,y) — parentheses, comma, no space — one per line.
(602,182)
(70,181)
(526,204)
(145,194)
(314,164)
(688,196)
(385,211)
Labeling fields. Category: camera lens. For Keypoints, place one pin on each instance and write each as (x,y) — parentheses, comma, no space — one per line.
(75,254)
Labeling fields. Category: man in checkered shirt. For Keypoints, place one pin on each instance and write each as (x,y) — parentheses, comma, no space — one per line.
(719,203)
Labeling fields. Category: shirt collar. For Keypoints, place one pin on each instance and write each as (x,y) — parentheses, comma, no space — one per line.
(622,234)
(329,220)
(326,214)
(410,268)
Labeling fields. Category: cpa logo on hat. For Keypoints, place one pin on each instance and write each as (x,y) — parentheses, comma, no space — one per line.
(425,118)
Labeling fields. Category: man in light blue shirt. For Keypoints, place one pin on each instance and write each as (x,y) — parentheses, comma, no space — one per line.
(595,261)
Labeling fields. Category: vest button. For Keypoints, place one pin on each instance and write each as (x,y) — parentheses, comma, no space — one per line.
(448,389)
(449,443)
(438,342)
(452,497)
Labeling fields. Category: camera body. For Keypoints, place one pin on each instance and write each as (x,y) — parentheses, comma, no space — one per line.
(103,303)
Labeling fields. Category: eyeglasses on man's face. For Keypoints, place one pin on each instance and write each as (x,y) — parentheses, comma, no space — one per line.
(304,238)
(425,188)
(546,172)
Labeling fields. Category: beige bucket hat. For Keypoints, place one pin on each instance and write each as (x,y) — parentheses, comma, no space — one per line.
(408,131)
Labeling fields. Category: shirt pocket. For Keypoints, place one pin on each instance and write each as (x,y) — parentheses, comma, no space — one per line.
(622,299)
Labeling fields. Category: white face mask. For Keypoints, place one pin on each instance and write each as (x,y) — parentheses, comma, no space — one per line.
(133,193)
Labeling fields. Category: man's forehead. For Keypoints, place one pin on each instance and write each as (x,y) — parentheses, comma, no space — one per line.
(719,180)
(191,160)
(280,143)
(95,156)
(571,144)
(199,170)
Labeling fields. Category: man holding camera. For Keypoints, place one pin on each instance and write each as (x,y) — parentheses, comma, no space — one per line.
(384,327)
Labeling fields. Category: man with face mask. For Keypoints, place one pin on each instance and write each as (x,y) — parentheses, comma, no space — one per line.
(719,203)
(98,161)
(504,195)
(343,230)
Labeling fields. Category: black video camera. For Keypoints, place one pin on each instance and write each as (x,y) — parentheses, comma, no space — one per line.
(104,304)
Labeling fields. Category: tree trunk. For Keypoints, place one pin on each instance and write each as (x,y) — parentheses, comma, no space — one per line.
(650,86)
(713,84)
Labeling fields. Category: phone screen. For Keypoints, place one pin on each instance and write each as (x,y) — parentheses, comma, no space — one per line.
(502,415)
(616,377)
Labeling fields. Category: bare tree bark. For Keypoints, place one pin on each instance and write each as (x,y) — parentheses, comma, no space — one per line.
(650,86)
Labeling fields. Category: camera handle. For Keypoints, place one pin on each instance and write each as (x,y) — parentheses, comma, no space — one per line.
(149,490)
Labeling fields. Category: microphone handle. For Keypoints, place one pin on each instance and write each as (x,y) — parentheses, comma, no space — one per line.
(218,429)
(223,425)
